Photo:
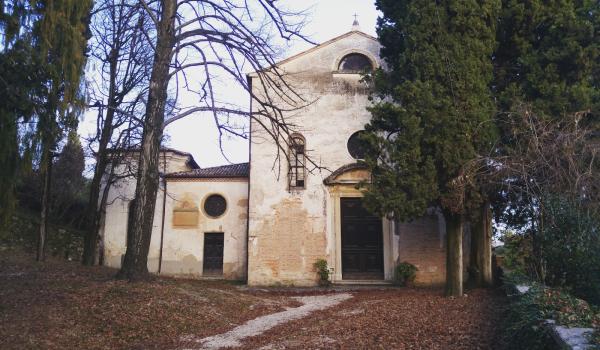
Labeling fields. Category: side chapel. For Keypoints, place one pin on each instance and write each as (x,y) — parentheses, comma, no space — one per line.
(247,222)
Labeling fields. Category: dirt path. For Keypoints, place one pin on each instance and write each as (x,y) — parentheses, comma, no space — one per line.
(262,324)
(395,319)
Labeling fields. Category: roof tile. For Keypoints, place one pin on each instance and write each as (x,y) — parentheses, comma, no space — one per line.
(223,171)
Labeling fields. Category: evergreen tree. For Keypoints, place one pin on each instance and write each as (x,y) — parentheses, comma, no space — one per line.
(548,65)
(435,112)
(53,34)
(68,183)
(21,88)
(62,33)
(547,57)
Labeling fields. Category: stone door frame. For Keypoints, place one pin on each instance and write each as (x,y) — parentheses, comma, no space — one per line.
(335,193)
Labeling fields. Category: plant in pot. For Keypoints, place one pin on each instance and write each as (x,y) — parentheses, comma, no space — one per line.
(322,272)
(405,273)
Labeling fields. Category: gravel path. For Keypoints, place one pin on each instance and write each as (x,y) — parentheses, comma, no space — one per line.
(262,324)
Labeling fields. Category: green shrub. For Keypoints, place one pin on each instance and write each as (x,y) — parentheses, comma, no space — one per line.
(570,243)
(322,272)
(527,314)
(405,273)
(517,253)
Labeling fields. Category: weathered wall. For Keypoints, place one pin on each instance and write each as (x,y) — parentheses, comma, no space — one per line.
(290,230)
(422,242)
(182,247)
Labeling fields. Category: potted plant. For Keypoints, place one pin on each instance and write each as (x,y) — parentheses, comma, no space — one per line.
(322,272)
(404,274)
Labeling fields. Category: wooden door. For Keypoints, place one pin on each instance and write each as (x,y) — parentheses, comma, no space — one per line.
(213,254)
(362,242)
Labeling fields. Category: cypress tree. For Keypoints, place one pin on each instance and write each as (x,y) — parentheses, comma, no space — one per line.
(547,57)
(434,113)
(547,60)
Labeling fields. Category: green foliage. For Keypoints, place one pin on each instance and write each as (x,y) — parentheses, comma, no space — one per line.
(42,56)
(438,108)
(69,187)
(323,272)
(21,89)
(517,253)
(405,273)
(570,243)
(548,56)
(22,231)
(547,70)
(527,314)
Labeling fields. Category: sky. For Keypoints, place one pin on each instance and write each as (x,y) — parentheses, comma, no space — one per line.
(197,133)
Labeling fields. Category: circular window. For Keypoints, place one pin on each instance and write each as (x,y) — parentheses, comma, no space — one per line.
(215,205)
(357,147)
(355,62)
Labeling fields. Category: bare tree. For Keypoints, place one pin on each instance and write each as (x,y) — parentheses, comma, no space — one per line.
(120,47)
(208,39)
(542,157)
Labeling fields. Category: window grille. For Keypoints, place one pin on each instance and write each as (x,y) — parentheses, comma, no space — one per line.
(297,170)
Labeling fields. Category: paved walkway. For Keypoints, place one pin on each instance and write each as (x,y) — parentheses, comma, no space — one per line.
(262,324)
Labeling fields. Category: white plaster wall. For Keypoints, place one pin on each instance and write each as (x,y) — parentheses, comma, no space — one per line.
(338,110)
(182,248)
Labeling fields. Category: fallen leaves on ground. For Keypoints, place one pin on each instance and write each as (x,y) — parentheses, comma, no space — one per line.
(401,318)
(63,305)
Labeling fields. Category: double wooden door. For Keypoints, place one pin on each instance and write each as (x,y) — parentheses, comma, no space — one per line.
(362,242)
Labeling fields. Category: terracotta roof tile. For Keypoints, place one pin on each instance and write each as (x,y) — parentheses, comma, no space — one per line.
(223,171)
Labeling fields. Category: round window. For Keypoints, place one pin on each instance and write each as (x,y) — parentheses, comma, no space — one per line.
(215,205)
(357,146)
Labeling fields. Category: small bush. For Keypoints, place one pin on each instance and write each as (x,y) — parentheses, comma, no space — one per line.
(570,243)
(322,272)
(527,314)
(405,274)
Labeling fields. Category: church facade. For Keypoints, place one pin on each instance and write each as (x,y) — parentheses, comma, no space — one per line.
(268,225)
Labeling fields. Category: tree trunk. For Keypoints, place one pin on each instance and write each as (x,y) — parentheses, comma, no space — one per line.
(46,173)
(140,225)
(94,211)
(474,266)
(485,246)
(454,254)
(481,247)
(93,214)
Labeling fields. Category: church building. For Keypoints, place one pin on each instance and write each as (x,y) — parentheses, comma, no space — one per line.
(269,225)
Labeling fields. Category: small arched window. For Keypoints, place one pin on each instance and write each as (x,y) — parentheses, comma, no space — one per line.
(355,63)
(297,173)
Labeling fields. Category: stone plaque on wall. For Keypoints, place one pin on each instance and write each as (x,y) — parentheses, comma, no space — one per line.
(185,215)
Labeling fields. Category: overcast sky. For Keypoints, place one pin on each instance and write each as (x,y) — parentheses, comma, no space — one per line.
(197,133)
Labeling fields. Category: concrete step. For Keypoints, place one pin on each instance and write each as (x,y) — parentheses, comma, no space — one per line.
(363,283)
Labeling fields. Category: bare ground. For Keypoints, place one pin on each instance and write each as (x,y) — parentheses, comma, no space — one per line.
(60,305)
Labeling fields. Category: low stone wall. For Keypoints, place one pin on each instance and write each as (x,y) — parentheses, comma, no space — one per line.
(574,338)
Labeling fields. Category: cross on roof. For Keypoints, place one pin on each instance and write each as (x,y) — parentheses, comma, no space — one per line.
(355,24)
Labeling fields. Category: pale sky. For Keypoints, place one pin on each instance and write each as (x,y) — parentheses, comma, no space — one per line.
(197,133)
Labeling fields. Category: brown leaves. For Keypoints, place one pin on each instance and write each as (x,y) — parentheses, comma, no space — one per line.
(395,319)
(64,305)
